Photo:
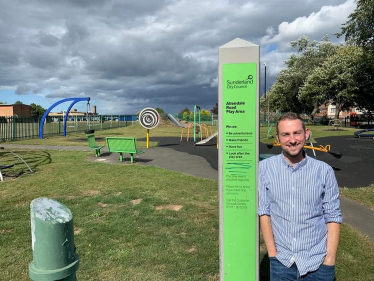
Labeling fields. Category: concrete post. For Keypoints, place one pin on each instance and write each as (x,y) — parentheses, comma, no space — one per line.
(238,104)
(54,255)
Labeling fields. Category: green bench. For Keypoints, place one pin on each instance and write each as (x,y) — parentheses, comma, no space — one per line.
(122,145)
(92,144)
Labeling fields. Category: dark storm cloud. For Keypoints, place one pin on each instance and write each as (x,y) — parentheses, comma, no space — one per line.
(127,55)
(46,39)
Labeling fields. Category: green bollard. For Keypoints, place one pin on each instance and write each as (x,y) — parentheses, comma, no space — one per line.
(52,231)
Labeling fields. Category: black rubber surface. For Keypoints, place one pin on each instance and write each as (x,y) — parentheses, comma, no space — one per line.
(354,169)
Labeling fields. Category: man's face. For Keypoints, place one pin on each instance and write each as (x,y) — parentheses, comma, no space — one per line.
(292,137)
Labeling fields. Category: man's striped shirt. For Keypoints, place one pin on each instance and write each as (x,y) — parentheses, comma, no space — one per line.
(300,201)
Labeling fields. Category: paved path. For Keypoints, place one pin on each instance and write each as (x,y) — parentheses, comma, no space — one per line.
(171,156)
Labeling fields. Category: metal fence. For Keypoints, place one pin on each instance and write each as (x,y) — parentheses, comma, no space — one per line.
(209,119)
(16,127)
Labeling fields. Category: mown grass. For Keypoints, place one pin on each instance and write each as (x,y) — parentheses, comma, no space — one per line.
(317,132)
(136,130)
(118,239)
(363,195)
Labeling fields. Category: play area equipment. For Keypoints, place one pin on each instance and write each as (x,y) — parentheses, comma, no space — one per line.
(269,135)
(11,165)
(364,133)
(175,121)
(74,101)
(149,119)
(326,148)
(122,145)
(204,141)
(195,110)
(93,145)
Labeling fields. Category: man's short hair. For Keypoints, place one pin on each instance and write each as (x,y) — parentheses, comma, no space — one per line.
(290,116)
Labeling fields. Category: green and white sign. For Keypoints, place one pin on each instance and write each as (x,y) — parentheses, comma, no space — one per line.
(238,155)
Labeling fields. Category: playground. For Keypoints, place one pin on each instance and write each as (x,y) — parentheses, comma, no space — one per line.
(129,218)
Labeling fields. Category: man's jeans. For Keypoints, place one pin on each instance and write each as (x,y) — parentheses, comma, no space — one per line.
(279,272)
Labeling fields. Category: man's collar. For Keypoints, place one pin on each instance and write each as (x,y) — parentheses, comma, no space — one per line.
(298,164)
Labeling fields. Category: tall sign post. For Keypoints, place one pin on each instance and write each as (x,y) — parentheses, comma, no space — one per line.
(238,104)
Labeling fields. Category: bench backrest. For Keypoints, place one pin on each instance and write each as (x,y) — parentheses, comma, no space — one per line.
(91,140)
(121,144)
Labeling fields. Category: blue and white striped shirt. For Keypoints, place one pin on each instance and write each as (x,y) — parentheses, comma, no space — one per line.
(300,201)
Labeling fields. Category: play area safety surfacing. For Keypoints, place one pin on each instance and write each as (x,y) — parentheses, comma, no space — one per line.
(353,169)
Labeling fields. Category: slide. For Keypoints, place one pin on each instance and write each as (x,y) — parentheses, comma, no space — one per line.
(362,133)
(175,121)
(204,141)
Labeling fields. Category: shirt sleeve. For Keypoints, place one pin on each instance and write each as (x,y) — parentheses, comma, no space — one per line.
(263,198)
(331,202)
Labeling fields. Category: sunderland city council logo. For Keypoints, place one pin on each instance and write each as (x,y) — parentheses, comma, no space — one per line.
(240,84)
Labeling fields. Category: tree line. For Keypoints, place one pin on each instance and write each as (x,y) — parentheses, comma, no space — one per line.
(321,72)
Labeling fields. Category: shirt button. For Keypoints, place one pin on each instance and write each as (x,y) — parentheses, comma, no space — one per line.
(294,239)
(293,205)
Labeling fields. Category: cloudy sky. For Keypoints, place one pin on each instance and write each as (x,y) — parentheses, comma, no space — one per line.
(130,54)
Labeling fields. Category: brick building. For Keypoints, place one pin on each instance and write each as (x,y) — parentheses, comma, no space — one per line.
(8,110)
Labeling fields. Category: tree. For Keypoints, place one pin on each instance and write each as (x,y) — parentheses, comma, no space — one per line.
(184,114)
(37,110)
(18,102)
(214,110)
(160,111)
(284,94)
(335,80)
(184,110)
(205,115)
(359,29)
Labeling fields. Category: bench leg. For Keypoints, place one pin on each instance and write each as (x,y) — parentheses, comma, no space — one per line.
(132,158)
(97,152)
(1,176)
(120,157)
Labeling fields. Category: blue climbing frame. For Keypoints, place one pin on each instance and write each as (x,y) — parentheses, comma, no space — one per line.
(75,100)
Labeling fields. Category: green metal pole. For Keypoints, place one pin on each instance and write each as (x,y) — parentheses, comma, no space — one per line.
(52,231)
(59,125)
(199,122)
(194,123)
(14,127)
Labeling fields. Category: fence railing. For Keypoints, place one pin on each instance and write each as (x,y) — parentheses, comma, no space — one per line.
(18,127)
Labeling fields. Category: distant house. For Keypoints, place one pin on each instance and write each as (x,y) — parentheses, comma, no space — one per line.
(8,110)
(329,110)
(74,112)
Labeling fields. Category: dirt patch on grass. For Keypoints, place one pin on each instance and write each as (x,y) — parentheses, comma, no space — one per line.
(77,230)
(169,207)
(136,201)
(101,204)
(91,192)
(192,249)
(118,193)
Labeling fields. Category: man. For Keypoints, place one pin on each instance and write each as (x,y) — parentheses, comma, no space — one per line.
(299,208)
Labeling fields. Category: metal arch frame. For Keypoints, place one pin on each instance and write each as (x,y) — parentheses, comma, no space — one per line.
(194,124)
(75,100)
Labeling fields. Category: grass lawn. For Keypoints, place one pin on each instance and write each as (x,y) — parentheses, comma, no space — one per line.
(317,132)
(136,222)
(127,219)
